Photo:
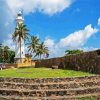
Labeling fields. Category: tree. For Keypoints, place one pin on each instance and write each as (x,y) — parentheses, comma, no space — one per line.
(37,48)
(33,44)
(11,56)
(1,53)
(42,50)
(6,53)
(73,51)
(20,34)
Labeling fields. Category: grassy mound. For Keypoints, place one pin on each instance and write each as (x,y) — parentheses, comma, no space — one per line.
(40,73)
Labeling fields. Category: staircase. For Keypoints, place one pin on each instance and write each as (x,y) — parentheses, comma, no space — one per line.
(50,88)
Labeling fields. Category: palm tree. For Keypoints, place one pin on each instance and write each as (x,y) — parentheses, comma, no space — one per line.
(6,53)
(20,34)
(33,44)
(41,50)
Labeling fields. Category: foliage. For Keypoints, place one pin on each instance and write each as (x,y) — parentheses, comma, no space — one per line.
(73,51)
(1,54)
(40,73)
(20,34)
(33,44)
(37,48)
(11,56)
(41,50)
(6,55)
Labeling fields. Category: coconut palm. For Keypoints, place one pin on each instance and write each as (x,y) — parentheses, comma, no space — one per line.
(33,44)
(41,50)
(21,32)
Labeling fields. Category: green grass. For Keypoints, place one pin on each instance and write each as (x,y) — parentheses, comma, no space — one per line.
(89,98)
(40,73)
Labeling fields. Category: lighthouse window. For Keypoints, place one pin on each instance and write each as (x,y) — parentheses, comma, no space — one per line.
(19,14)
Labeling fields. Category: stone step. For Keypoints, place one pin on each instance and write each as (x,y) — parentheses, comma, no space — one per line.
(44,86)
(61,82)
(50,88)
(96,95)
(49,93)
(51,80)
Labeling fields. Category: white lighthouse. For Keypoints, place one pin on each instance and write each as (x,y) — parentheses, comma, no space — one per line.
(19,56)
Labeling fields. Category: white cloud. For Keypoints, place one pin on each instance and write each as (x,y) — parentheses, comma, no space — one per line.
(9,42)
(99,21)
(9,9)
(49,7)
(88,48)
(51,46)
(75,40)
(49,42)
(78,38)
(27,5)
(5,20)
(54,6)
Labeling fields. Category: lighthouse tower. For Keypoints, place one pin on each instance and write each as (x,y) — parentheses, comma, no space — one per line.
(19,56)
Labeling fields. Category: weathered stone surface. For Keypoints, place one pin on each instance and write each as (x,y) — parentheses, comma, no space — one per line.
(88,62)
(49,88)
(50,80)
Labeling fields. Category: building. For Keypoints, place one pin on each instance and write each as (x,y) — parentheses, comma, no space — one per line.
(21,59)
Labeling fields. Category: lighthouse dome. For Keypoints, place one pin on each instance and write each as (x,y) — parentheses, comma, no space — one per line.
(20,13)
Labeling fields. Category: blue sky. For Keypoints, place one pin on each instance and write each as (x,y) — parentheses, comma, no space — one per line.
(61,24)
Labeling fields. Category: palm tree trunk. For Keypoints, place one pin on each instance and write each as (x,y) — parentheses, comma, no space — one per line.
(20,52)
(40,56)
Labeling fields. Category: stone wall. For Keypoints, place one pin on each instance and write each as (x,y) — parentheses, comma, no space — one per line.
(50,88)
(26,64)
(87,61)
(6,66)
